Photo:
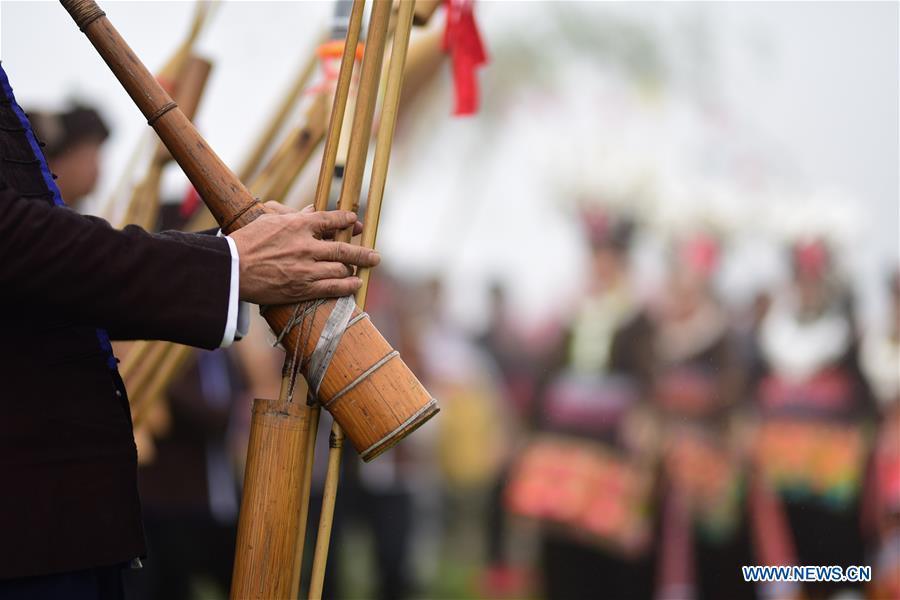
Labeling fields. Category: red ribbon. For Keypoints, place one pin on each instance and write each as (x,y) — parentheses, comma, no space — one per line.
(463,43)
(190,203)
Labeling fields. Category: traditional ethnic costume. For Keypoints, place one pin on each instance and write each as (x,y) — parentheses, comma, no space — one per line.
(813,444)
(586,477)
(704,531)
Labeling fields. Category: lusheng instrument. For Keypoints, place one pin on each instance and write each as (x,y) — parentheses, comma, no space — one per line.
(273,182)
(376,403)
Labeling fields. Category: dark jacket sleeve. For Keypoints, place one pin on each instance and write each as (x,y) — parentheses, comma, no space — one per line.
(66,266)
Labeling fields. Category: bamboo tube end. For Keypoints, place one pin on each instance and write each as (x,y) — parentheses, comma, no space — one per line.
(396,436)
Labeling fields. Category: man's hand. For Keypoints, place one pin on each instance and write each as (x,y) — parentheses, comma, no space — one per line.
(286,256)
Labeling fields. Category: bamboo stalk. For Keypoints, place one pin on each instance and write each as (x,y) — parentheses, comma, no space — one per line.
(143,209)
(135,356)
(353,177)
(314,415)
(323,192)
(169,73)
(386,128)
(364,113)
(276,122)
(171,367)
(326,518)
(275,180)
(341,94)
(234,206)
(312,133)
(278,180)
(143,371)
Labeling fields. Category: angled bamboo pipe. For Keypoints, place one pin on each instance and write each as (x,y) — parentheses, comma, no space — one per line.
(277,177)
(170,368)
(143,208)
(167,75)
(171,71)
(370,226)
(289,166)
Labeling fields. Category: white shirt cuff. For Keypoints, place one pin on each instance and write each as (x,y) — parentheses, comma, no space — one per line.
(237,322)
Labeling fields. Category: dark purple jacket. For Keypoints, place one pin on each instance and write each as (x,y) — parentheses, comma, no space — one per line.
(68,493)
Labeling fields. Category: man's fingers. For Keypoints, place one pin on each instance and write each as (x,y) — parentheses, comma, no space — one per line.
(346,253)
(332,270)
(357,229)
(328,220)
(335,288)
(278,208)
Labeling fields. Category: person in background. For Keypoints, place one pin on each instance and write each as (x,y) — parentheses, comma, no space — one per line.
(469,438)
(814,409)
(880,361)
(517,361)
(586,477)
(73,140)
(378,496)
(697,391)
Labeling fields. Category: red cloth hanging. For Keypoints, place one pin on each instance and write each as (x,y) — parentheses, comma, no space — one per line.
(190,203)
(463,43)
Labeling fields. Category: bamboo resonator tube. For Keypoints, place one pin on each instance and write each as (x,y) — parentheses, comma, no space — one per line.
(377,403)
(271,506)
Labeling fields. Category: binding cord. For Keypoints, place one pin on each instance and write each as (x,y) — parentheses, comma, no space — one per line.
(316,365)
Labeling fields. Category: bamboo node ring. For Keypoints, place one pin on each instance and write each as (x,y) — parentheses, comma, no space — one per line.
(226,227)
(362,376)
(160,112)
(83,12)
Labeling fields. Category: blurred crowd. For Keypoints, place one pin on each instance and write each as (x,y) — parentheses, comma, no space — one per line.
(646,445)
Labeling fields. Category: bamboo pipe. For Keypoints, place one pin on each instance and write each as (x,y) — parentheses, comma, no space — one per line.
(304,436)
(271,505)
(305,145)
(295,151)
(422,61)
(276,122)
(171,71)
(374,422)
(370,227)
(320,203)
(143,209)
(168,74)
(273,182)
(230,202)
(135,356)
(264,564)
(170,368)
(341,94)
(364,112)
(387,126)
(138,376)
